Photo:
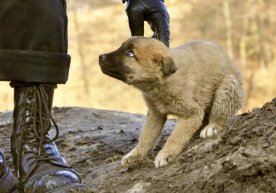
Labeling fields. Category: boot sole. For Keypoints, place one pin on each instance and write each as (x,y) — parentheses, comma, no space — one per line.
(72,188)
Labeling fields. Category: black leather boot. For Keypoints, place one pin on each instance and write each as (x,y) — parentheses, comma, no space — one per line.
(38,165)
(7,180)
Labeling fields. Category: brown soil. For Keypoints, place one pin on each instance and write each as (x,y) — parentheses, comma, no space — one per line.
(242,159)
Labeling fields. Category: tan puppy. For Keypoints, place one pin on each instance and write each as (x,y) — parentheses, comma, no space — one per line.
(190,81)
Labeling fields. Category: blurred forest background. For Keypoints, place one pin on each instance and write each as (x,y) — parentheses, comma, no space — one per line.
(245,28)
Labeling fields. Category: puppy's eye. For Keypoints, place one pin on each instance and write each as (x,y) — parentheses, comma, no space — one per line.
(130,54)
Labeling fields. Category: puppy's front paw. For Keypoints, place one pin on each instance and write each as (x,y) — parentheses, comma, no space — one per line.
(131,157)
(209,131)
(162,159)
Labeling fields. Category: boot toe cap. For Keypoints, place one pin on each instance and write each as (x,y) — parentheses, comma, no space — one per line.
(60,181)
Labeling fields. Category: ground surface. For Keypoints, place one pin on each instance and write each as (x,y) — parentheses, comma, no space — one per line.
(241,160)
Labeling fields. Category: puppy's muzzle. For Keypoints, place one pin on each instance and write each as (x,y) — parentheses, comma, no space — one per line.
(103,60)
(109,68)
(102,57)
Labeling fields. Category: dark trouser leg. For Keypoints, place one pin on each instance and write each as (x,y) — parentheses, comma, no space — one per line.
(33,55)
(33,41)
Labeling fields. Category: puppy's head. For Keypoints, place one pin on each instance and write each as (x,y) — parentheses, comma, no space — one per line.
(138,60)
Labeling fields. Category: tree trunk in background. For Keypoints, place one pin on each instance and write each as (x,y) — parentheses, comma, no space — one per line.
(243,56)
(261,41)
(228,26)
(84,67)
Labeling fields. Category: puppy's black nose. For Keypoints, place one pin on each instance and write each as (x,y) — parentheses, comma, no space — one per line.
(102,57)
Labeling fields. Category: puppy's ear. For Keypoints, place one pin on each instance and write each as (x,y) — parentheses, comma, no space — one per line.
(167,65)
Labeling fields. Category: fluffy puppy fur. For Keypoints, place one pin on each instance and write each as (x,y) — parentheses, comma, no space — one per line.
(192,81)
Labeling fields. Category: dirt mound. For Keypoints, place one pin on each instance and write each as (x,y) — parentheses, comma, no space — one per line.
(242,159)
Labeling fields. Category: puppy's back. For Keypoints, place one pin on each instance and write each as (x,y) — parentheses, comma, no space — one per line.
(203,58)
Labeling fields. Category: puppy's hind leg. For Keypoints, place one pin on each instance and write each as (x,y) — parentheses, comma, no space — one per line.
(228,100)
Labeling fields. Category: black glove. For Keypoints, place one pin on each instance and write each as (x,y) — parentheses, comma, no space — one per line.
(152,11)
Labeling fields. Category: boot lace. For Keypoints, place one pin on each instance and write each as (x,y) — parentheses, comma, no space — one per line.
(37,121)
